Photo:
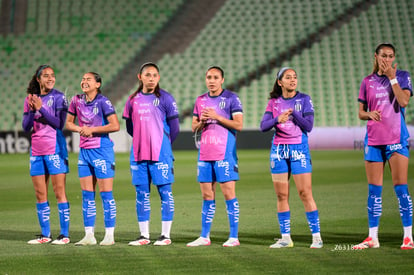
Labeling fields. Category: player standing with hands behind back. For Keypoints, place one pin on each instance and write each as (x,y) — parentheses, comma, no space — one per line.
(383,96)
(218,114)
(152,120)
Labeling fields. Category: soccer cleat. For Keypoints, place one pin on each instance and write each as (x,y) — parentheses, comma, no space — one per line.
(282,243)
(201,241)
(367,243)
(231,242)
(40,240)
(89,239)
(162,240)
(140,241)
(316,243)
(108,240)
(407,244)
(62,239)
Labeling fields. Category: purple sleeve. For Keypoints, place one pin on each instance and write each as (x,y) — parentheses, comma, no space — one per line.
(236,105)
(129,126)
(58,121)
(304,118)
(362,93)
(128,119)
(305,123)
(127,110)
(174,128)
(268,122)
(405,81)
(107,107)
(28,119)
(171,108)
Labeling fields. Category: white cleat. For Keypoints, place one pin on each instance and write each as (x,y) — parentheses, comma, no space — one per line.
(140,241)
(89,239)
(61,240)
(162,241)
(231,242)
(367,243)
(316,243)
(282,243)
(40,240)
(108,240)
(201,241)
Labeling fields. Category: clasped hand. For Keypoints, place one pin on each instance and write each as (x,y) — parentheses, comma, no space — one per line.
(284,117)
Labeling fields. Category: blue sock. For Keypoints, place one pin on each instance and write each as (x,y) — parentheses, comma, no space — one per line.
(143,206)
(233,215)
(405,203)
(109,207)
(88,208)
(284,222)
(64,218)
(43,215)
(167,202)
(374,204)
(207,215)
(313,221)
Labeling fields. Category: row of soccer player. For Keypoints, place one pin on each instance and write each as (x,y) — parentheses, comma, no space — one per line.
(151,116)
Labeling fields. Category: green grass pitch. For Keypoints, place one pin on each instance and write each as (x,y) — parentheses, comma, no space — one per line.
(339,187)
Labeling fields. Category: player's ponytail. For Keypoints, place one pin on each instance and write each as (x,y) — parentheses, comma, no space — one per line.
(277,89)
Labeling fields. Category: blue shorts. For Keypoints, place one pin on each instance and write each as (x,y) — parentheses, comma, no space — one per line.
(98,162)
(158,172)
(218,171)
(382,153)
(48,165)
(290,158)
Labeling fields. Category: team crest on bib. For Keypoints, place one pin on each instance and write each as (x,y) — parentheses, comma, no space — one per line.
(156,102)
(222,104)
(298,106)
(95,110)
(50,102)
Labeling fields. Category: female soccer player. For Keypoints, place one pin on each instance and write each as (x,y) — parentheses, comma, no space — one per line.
(218,114)
(151,116)
(291,113)
(96,164)
(383,96)
(45,111)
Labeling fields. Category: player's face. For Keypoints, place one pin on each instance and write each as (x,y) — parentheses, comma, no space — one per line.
(89,84)
(47,79)
(150,78)
(289,81)
(214,80)
(386,54)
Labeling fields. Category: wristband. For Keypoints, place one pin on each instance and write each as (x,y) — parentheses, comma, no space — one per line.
(393,81)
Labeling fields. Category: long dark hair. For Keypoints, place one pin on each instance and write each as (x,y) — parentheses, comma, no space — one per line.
(34,86)
(98,79)
(375,69)
(277,89)
(141,85)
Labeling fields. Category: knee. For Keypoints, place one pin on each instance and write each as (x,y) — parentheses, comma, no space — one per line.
(40,196)
(208,195)
(305,195)
(282,196)
(61,196)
